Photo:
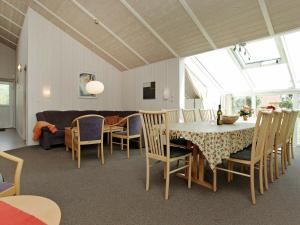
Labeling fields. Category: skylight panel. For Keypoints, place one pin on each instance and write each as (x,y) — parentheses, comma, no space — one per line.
(224,70)
(257,53)
(292,43)
(268,78)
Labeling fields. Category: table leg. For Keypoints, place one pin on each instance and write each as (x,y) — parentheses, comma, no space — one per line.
(198,170)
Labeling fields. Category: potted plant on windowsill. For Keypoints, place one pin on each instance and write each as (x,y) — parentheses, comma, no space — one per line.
(245,112)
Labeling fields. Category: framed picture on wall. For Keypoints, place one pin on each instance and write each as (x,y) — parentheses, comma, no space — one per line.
(149,90)
(84,78)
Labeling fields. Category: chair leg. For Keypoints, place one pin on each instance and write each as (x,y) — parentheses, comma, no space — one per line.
(167,181)
(98,151)
(128,155)
(215,180)
(282,159)
(252,184)
(288,153)
(147,173)
(271,168)
(140,145)
(102,153)
(111,143)
(190,172)
(228,173)
(122,144)
(73,152)
(265,168)
(276,162)
(78,156)
(261,180)
(292,147)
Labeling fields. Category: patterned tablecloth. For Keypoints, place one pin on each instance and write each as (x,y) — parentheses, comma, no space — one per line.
(215,142)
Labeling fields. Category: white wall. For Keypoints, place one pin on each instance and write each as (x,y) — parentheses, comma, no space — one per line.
(22,58)
(55,61)
(164,73)
(7,62)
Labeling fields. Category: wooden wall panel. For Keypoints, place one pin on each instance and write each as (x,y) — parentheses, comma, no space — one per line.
(9,26)
(9,12)
(171,22)
(118,18)
(231,21)
(69,11)
(285,15)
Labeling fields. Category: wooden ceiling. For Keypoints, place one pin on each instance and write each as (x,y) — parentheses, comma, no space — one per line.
(132,33)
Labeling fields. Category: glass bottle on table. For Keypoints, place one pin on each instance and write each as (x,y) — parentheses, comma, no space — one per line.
(219,116)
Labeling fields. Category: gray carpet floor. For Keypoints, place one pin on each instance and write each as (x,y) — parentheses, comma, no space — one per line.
(114,193)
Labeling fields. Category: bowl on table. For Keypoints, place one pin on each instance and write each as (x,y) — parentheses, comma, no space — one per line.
(229,119)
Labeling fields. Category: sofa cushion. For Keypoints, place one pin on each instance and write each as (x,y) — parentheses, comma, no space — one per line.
(5,185)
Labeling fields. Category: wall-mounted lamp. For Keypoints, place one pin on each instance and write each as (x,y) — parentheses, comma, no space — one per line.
(20,67)
(46,92)
(166,94)
(94,87)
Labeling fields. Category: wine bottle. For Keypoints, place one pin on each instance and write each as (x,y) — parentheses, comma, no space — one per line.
(219,116)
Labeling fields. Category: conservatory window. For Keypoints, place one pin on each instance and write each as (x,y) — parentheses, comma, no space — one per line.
(224,70)
(292,44)
(274,77)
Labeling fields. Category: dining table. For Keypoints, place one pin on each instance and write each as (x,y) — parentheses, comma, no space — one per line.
(21,209)
(211,144)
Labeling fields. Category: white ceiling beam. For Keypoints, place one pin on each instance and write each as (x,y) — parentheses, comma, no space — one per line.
(266,15)
(13,7)
(109,31)
(8,31)
(202,29)
(8,40)
(141,19)
(9,20)
(79,33)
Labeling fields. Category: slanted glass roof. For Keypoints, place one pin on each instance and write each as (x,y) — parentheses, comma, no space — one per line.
(292,43)
(266,65)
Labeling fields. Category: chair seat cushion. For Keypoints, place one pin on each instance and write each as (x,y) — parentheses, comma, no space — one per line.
(179,141)
(177,152)
(5,185)
(244,154)
(124,132)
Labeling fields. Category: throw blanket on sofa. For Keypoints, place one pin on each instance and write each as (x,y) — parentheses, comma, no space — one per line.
(37,131)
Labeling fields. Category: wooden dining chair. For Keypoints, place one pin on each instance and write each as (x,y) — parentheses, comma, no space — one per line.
(290,135)
(252,155)
(189,115)
(157,143)
(205,114)
(87,130)
(133,131)
(173,115)
(7,188)
(269,149)
(281,141)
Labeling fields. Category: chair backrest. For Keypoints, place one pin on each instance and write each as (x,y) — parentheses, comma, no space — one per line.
(292,123)
(259,141)
(90,127)
(189,115)
(282,131)
(156,133)
(205,114)
(275,123)
(18,170)
(173,115)
(134,125)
